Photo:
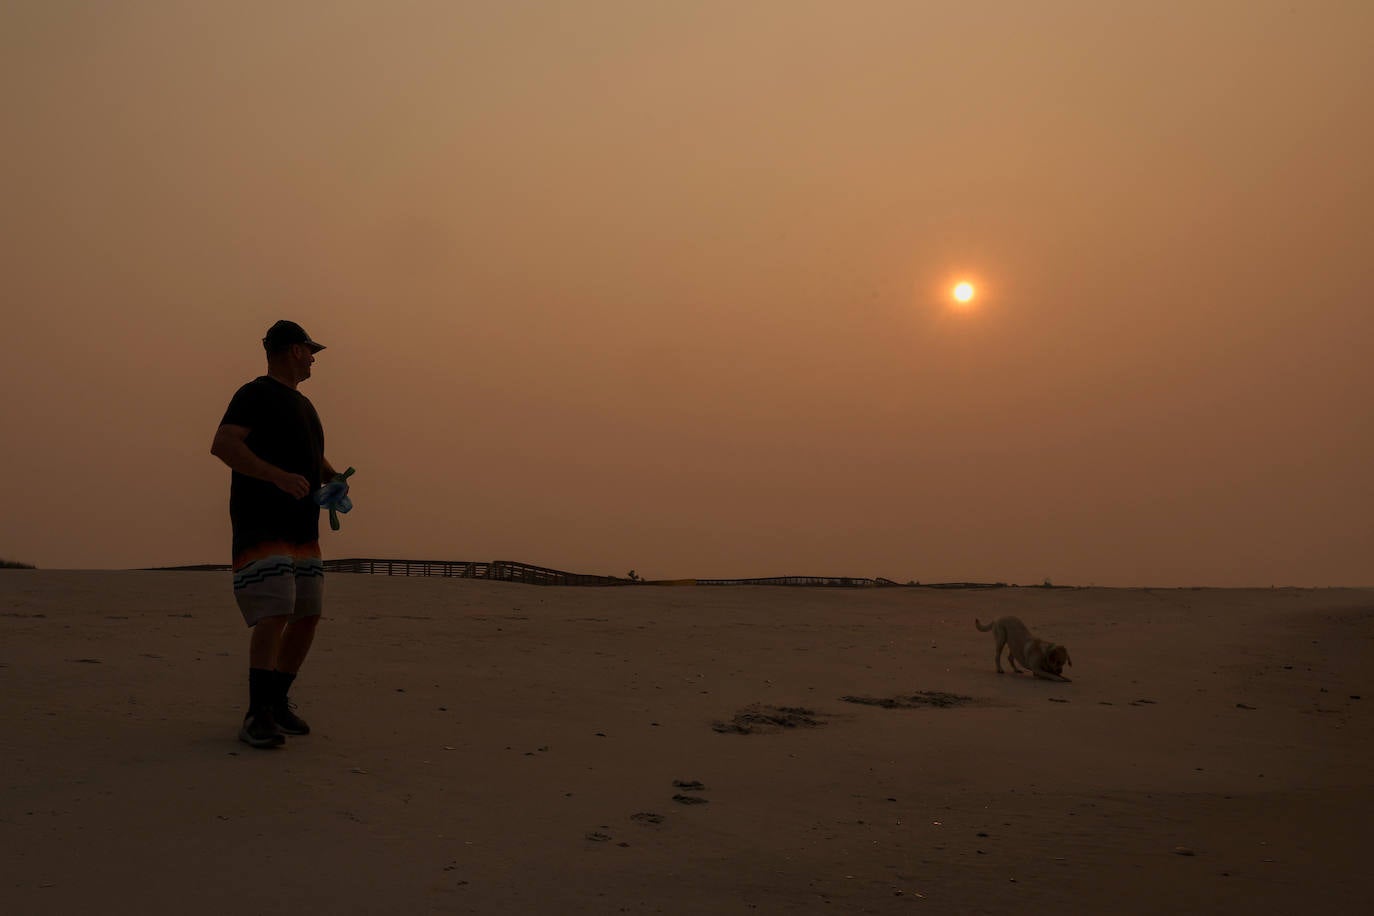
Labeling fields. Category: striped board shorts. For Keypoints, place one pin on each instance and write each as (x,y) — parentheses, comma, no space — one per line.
(277,579)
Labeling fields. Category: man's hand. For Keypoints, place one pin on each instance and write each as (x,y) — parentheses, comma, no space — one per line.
(293,485)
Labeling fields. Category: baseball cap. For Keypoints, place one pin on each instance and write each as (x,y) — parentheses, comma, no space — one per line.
(285,333)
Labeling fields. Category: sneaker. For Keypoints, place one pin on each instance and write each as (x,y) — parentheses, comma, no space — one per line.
(260,731)
(288,723)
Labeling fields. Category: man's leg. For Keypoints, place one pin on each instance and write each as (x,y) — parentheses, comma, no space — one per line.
(266,641)
(265,590)
(259,729)
(295,645)
(299,634)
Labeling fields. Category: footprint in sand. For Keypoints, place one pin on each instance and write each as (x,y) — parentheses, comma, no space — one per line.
(689,785)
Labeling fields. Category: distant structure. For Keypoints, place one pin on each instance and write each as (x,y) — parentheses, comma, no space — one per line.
(822,581)
(511,571)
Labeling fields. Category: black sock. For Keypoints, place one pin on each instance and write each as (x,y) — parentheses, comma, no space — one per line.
(261,688)
(281,682)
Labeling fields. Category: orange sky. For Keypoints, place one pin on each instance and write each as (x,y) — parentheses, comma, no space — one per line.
(664,286)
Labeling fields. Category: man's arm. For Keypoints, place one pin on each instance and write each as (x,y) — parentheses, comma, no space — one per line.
(231,447)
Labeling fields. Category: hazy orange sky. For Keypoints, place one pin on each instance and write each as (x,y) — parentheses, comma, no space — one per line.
(665,286)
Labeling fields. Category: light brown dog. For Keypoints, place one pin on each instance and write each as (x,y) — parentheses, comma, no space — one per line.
(1041,658)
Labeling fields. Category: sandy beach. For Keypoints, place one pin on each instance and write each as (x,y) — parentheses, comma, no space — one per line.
(499,748)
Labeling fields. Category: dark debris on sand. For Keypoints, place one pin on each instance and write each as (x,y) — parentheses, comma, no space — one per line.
(690,799)
(916,700)
(758,718)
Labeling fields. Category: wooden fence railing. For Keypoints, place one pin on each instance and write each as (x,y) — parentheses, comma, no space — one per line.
(500,570)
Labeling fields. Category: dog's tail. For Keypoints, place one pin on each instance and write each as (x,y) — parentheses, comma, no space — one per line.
(981,627)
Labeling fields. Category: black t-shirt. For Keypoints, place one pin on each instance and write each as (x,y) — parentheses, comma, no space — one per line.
(284,430)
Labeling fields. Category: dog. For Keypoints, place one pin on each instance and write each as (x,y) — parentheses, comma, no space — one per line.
(1040,658)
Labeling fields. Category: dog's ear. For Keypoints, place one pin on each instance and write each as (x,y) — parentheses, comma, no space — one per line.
(1067,660)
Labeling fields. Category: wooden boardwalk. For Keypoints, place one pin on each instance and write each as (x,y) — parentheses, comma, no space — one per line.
(500,570)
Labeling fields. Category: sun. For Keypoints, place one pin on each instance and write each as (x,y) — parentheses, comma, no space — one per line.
(963,292)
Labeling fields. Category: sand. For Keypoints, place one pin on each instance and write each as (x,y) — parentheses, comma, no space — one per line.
(497,748)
